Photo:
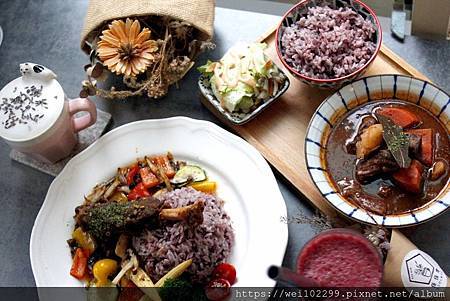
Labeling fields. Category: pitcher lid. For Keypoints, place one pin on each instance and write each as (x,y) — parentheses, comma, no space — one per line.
(30,104)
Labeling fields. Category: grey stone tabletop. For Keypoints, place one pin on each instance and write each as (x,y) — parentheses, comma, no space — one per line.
(48,32)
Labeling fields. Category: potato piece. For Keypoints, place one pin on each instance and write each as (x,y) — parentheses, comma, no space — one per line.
(371,139)
(439,169)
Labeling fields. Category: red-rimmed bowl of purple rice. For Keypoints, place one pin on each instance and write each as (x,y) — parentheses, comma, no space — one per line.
(328,43)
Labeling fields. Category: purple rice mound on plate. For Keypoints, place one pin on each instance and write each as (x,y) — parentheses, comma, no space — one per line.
(207,244)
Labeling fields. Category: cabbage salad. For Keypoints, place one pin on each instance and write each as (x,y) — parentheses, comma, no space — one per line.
(244,77)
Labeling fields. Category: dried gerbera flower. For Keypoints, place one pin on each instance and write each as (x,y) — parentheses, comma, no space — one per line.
(125,49)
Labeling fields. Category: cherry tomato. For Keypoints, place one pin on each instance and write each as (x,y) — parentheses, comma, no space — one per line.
(225,271)
(218,290)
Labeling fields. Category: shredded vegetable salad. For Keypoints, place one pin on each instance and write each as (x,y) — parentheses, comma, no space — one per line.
(244,77)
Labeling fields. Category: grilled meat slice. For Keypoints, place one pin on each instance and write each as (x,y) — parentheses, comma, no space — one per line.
(381,163)
(104,220)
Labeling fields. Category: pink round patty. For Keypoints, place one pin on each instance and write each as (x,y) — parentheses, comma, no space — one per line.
(341,258)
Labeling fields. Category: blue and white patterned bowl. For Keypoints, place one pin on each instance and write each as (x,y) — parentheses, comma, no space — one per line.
(351,96)
(301,9)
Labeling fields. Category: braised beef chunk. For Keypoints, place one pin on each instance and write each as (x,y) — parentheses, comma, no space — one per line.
(415,143)
(380,163)
(355,193)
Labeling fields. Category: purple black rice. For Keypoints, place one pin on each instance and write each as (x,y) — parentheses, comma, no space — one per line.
(328,43)
(207,244)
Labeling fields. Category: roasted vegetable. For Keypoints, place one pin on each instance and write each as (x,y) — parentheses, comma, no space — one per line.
(121,246)
(112,188)
(165,163)
(102,270)
(176,290)
(158,170)
(205,186)
(370,140)
(84,240)
(148,178)
(132,173)
(139,191)
(119,197)
(175,272)
(79,264)
(189,173)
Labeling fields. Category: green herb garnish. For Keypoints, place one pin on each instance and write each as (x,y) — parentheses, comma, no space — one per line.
(397,141)
(105,218)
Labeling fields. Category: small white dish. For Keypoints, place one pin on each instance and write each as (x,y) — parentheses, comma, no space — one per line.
(245,181)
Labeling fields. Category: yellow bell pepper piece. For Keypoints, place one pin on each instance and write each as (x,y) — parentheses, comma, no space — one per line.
(84,240)
(205,186)
(102,270)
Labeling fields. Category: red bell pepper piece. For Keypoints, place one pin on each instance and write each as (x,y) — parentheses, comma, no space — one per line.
(148,178)
(132,173)
(139,191)
(164,163)
(79,264)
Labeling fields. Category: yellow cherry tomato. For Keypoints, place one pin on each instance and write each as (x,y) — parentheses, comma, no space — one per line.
(102,270)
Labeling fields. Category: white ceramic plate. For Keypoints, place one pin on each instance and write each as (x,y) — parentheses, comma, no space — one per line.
(245,181)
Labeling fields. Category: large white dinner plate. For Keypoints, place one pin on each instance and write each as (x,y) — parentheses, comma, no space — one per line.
(245,181)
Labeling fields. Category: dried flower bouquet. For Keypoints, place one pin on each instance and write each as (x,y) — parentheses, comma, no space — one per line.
(149,53)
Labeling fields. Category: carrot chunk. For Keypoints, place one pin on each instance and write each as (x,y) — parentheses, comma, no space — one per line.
(427,145)
(410,179)
(400,116)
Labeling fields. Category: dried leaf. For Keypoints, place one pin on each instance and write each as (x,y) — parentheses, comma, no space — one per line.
(397,141)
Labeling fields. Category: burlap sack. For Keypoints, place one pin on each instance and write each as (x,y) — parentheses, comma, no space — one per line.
(199,13)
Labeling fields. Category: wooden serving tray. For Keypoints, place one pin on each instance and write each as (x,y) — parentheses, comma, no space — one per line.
(279,132)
